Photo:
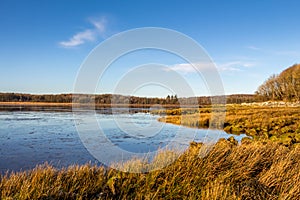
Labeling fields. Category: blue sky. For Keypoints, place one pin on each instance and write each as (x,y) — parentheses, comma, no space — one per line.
(43,43)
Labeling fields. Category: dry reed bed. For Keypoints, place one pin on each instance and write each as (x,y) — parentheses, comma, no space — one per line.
(252,170)
(276,123)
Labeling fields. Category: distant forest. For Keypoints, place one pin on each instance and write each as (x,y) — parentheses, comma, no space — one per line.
(120,99)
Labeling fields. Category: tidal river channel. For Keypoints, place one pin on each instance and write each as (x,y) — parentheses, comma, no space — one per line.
(37,135)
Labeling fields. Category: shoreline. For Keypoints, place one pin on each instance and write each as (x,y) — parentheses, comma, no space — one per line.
(54,104)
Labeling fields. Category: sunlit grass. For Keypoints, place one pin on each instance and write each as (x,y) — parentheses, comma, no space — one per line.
(276,123)
(252,170)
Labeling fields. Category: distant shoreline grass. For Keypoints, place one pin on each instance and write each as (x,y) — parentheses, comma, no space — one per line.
(280,124)
(251,170)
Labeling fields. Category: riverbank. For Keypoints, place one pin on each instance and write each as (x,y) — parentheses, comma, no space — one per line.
(281,124)
(251,170)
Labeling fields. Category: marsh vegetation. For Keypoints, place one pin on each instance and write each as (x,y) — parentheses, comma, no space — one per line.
(280,124)
(251,170)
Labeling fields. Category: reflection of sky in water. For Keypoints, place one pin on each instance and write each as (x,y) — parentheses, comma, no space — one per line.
(28,138)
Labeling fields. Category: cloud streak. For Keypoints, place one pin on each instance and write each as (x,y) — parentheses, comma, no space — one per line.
(233,66)
(79,38)
(186,68)
(88,35)
(100,25)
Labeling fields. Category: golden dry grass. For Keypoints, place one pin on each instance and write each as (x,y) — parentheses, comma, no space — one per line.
(276,123)
(252,170)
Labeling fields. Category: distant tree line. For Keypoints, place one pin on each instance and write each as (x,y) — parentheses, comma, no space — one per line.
(18,97)
(122,99)
(285,86)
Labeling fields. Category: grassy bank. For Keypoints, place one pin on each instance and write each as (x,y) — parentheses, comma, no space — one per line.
(252,170)
(276,123)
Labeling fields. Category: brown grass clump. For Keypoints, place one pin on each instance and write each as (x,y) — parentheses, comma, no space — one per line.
(251,170)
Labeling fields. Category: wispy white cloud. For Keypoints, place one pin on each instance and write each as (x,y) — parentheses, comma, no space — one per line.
(235,65)
(232,66)
(91,34)
(79,38)
(230,69)
(190,68)
(100,24)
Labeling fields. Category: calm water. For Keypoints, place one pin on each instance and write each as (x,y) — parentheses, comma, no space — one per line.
(35,136)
